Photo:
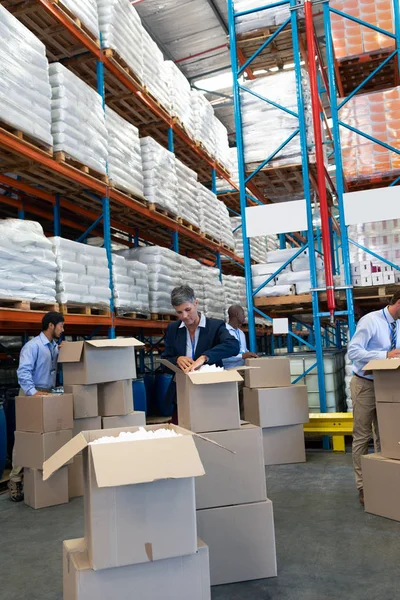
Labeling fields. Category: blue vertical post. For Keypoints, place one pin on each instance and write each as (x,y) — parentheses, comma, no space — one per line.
(21,211)
(396,12)
(219,265)
(289,337)
(242,177)
(214,180)
(332,245)
(307,194)
(272,338)
(339,164)
(175,234)
(175,241)
(136,239)
(338,334)
(336,250)
(282,241)
(170,139)
(57,216)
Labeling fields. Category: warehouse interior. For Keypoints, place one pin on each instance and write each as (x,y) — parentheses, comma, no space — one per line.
(234,160)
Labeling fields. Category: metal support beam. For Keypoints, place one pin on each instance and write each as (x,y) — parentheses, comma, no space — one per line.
(57,216)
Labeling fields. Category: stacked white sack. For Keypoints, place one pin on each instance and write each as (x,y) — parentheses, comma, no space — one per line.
(27,263)
(191,275)
(203,121)
(214,303)
(25,92)
(155,75)
(130,285)
(124,154)
(164,271)
(121,30)
(78,122)
(180,96)
(188,205)
(209,212)
(222,150)
(83,276)
(226,236)
(261,19)
(266,127)
(159,175)
(86,11)
(231,292)
(233,168)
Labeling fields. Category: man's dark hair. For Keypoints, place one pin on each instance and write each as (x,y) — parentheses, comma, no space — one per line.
(51,317)
(395,298)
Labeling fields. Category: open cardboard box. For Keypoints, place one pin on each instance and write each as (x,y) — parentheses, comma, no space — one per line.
(98,361)
(207,401)
(386,379)
(139,500)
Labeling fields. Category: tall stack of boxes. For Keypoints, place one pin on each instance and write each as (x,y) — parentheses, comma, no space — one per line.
(140,519)
(91,372)
(279,408)
(44,425)
(234,515)
(381,472)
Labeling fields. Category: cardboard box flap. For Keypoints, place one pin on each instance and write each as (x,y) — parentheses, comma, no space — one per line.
(388,364)
(144,461)
(168,364)
(230,375)
(63,455)
(70,352)
(119,343)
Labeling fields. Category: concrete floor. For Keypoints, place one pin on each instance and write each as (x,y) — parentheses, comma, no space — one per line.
(328,548)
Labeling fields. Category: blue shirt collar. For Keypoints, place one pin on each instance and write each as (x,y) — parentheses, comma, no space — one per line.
(45,340)
(388,315)
(201,324)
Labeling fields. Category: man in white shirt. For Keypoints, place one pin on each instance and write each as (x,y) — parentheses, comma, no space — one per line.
(377,337)
(236,321)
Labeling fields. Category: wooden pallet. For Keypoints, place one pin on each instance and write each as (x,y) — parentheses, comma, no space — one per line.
(62,157)
(162,211)
(114,57)
(158,317)
(209,237)
(83,309)
(355,69)
(18,304)
(131,315)
(188,225)
(381,292)
(29,139)
(76,20)
(138,197)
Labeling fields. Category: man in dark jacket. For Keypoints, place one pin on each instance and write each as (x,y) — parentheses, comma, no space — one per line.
(195,340)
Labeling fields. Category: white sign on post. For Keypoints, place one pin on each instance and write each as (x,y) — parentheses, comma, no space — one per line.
(281,217)
(280,326)
(367,206)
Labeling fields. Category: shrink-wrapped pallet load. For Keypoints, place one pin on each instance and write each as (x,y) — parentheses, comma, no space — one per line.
(159,175)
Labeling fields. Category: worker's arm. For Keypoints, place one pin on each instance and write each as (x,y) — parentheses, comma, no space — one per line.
(226,346)
(27,362)
(357,348)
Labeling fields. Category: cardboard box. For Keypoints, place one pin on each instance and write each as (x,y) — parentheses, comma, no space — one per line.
(93,423)
(115,398)
(275,407)
(388,414)
(181,578)
(284,445)
(207,401)
(40,414)
(98,361)
(241,541)
(75,477)
(235,473)
(134,419)
(386,379)
(85,400)
(389,278)
(41,494)
(381,481)
(271,372)
(139,501)
(32,449)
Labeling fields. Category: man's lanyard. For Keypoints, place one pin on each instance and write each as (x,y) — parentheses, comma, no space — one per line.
(53,352)
(392,332)
(193,342)
(237,336)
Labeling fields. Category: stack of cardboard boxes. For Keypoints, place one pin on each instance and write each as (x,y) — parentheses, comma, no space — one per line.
(140,519)
(279,408)
(44,425)
(98,374)
(234,516)
(381,472)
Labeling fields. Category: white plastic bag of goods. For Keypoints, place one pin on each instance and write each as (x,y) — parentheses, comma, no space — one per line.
(276,290)
(86,11)
(276,218)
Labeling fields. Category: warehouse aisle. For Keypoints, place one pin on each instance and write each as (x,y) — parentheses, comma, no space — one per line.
(327,547)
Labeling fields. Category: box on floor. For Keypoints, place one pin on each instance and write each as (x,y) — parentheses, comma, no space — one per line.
(276,407)
(89,424)
(75,477)
(33,449)
(381,481)
(284,445)
(388,414)
(235,471)
(98,361)
(177,578)
(41,414)
(115,398)
(270,372)
(241,541)
(139,500)
(136,418)
(207,401)
(41,494)
(85,400)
